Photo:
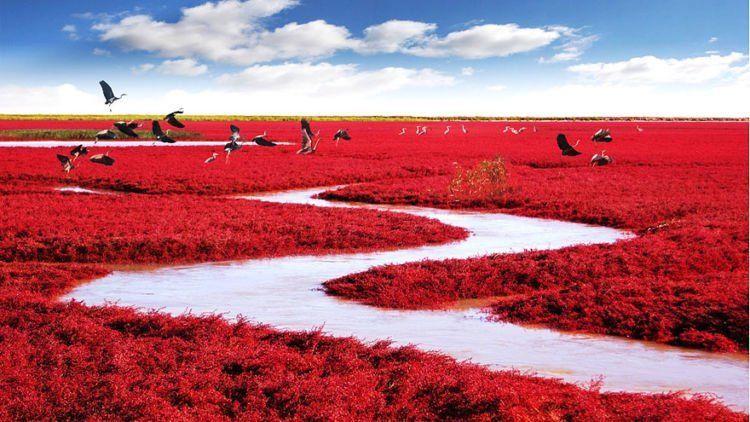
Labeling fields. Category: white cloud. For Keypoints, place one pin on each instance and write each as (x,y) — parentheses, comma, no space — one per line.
(330,79)
(182,67)
(65,98)
(145,67)
(101,52)
(218,31)
(483,41)
(654,70)
(497,87)
(712,40)
(394,35)
(726,99)
(71,31)
(467,71)
(574,45)
(231,31)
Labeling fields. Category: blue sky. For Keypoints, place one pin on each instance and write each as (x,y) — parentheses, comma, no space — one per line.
(378,57)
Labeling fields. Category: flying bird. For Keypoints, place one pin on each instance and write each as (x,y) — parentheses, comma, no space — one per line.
(403,131)
(160,136)
(109,95)
(211,158)
(128,128)
(521,130)
(602,135)
(103,159)
(233,144)
(105,134)
(341,134)
(79,150)
(419,130)
(601,159)
(262,141)
(172,120)
(447,130)
(67,165)
(565,147)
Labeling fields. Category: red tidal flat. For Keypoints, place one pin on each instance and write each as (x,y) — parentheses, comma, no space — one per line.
(685,283)
(68,361)
(70,227)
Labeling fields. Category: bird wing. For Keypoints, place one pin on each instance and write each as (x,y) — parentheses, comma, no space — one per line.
(263,142)
(107,90)
(126,129)
(156,129)
(234,129)
(63,159)
(562,142)
(133,125)
(173,121)
(345,135)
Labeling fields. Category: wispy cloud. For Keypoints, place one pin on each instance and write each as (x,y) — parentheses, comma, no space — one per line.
(572,48)
(467,71)
(654,70)
(101,52)
(71,31)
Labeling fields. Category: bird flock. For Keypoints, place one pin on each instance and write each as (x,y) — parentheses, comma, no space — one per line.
(309,144)
(566,149)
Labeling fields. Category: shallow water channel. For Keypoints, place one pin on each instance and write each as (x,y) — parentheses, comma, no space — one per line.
(286,293)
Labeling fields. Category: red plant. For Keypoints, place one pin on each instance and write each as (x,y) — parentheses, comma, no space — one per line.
(683,186)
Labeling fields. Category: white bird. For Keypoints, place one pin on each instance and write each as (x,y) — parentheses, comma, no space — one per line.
(419,130)
(403,131)
(211,158)
(639,128)
(447,129)
(521,130)
(534,129)
(463,129)
(424,130)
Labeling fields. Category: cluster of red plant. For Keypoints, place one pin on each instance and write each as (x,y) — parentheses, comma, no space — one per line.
(683,281)
(69,361)
(71,227)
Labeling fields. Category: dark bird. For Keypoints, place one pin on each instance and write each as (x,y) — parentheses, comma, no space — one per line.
(79,150)
(160,136)
(103,159)
(128,128)
(172,120)
(601,159)
(602,135)
(342,134)
(565,147)
(67,165)
(109,95)
(233,144)
(307,138)
(105,134)
(262,141)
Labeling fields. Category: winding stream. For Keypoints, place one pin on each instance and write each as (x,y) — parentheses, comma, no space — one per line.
(285,293)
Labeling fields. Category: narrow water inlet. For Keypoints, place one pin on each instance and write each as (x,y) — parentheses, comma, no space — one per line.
(285,293)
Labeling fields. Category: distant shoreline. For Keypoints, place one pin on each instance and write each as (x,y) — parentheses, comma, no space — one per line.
(220,117)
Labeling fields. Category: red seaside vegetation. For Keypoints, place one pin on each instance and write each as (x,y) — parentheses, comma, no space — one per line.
(69,361)
(683,281)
